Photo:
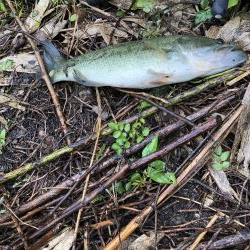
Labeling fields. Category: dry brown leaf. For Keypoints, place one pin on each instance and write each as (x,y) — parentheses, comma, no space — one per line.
(53,27)
(3,121)
(237,30)
(222,182)
(23,62)
(63,240)
(34,20)
(10,101)
(99,29)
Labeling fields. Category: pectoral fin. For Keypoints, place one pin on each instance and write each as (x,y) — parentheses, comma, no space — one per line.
(160,78)
(81,79)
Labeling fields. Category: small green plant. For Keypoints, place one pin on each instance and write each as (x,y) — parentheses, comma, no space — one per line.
(6,65)
(156,169)
(20,183)
(145,5)
(98,199)
(2,7)
(126,134)
(206,12)
(73,17)
(2,139)
(143,105)
(220,159)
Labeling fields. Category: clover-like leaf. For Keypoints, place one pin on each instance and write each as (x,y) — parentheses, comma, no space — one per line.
(225,164)
(145,132)
(224,156)
(151,147)
(217,166)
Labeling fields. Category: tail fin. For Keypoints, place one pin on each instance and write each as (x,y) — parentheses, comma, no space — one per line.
(51,55)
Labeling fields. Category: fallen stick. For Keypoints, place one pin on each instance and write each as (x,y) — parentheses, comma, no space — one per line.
(229,242)
(60,188)
(124,171)
(186,174)
(81,143)
(201,235)
(43,70)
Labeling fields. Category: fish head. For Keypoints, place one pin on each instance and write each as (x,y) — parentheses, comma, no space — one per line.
(214,56)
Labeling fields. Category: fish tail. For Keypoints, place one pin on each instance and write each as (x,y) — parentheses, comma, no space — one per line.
(51,55)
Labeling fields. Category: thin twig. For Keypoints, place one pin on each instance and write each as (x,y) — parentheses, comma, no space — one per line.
(98,132)
(160,107)
(43,70)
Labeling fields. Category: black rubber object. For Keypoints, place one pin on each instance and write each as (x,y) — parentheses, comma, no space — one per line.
(219,8)
(96,2)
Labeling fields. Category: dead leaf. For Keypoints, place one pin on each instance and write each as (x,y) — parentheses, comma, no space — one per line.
(237,30)
(100,29)
(53,27)
(3,121)
(10,101)
(222,182)
(23,62)
(34,20)
(63,240)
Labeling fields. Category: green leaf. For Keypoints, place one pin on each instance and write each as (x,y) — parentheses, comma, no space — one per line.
(113,126)
(224,156)
(232,3)
(124,135)
(132,135)
(145,5)
(218,151)
(142,120)
(225,164)
(98,198)
(162,177)
(6,65)
(117,134)
(128,186)
(127,144)
(145,132)
(158,165)
(204,4)
(127,128)
(143,105)
(151,147)
(119,151)
(2,6)
(203,16)
(120,13)
(115,146)
(217,166)
(73,18)
(120,141)
(136,125)
(134,177)
(119,187)
(139,139)
(3,135)
(120,126)
(216,157)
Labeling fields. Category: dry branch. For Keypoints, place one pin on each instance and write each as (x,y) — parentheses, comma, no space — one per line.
(43,70)
(186,174)
(124,171)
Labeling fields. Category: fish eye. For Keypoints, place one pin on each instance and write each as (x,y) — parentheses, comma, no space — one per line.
(220,41)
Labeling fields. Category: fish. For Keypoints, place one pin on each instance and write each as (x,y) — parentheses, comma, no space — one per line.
(145,64)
